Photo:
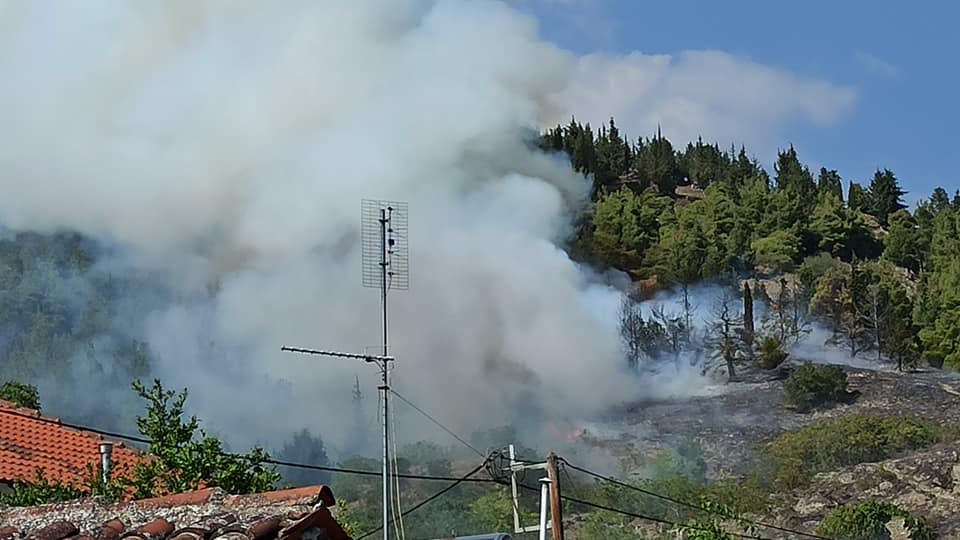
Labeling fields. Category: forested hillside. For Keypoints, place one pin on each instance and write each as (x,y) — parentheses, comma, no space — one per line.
(882,281)
(882,277)
(72,325)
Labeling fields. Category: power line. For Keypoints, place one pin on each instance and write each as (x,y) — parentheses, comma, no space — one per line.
(651,518)
(684,503)
(641,516)
(431,498)
(359,472)
(78,427)
(437,422)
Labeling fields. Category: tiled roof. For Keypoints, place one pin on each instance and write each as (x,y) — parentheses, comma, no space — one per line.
(208,514)
(29,441)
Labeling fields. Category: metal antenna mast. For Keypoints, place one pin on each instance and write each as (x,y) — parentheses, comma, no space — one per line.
(385,263)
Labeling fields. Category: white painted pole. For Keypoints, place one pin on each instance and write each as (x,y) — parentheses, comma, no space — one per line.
(544,506)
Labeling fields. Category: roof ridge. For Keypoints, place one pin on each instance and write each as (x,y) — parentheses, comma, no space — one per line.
(318,494)
(6,404)
(9,407)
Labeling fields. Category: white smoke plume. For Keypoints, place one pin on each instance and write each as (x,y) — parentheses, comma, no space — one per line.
(226,145)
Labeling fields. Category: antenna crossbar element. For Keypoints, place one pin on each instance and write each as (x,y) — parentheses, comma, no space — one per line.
(336,354)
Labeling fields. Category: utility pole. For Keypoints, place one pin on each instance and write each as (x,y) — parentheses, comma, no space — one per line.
(556,510)
(544,503)
(549,497)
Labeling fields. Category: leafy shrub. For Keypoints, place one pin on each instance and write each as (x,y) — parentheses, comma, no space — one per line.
(181,461)
(606,525)
(685,460)
(39,491)
(810,386)
(24,395)
(771,353)
(868,520)
(860,438)
(812,269)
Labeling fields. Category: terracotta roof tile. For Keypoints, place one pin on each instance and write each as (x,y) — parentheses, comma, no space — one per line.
(57,530)
(310,495)
(208,514)
(201,496)
(30,441)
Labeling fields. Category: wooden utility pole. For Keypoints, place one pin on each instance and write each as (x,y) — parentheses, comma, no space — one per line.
(556,510)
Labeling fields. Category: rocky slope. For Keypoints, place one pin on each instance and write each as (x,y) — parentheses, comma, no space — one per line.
(729,425)
(925,483)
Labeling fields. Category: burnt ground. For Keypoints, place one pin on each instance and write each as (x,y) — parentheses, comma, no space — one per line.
(728,426)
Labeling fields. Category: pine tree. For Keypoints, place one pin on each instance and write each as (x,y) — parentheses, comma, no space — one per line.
(358,434)
(725,333)
(858,197)
(304,447)
(657,164)
(682,255)
(829,224)
(874,312)
(792,176)
(825,303)
(748,327)
(640,337)
(851,324)
(886,197)
(830,182)
(899,333)
(902,243)
(786,320)
(939,200)
(625,225)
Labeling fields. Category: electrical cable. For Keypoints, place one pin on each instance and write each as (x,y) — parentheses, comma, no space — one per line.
(682,502)
(430,499)
(397,512)
(456,481)
(358,472)
(437,422)
(642,516)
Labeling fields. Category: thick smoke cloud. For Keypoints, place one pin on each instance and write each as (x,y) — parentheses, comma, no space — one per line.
(226,146)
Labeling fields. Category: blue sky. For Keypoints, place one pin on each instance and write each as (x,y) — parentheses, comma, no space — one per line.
(889,70)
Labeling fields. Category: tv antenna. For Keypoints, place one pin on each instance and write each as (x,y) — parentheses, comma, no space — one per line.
(385,265)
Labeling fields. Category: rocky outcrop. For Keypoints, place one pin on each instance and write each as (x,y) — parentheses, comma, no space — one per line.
(925,483)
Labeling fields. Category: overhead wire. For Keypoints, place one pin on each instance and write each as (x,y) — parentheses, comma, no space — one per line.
(455,481)
(430,499)
(645,517)
(397,509)
(654,519)
(283,463)
(438,423)
(684,503)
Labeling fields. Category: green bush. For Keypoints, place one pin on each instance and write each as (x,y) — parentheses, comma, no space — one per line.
(771,353)
(186,457)
(39,491)
(868,520)
(810,386)
(24,395)
(860,438)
